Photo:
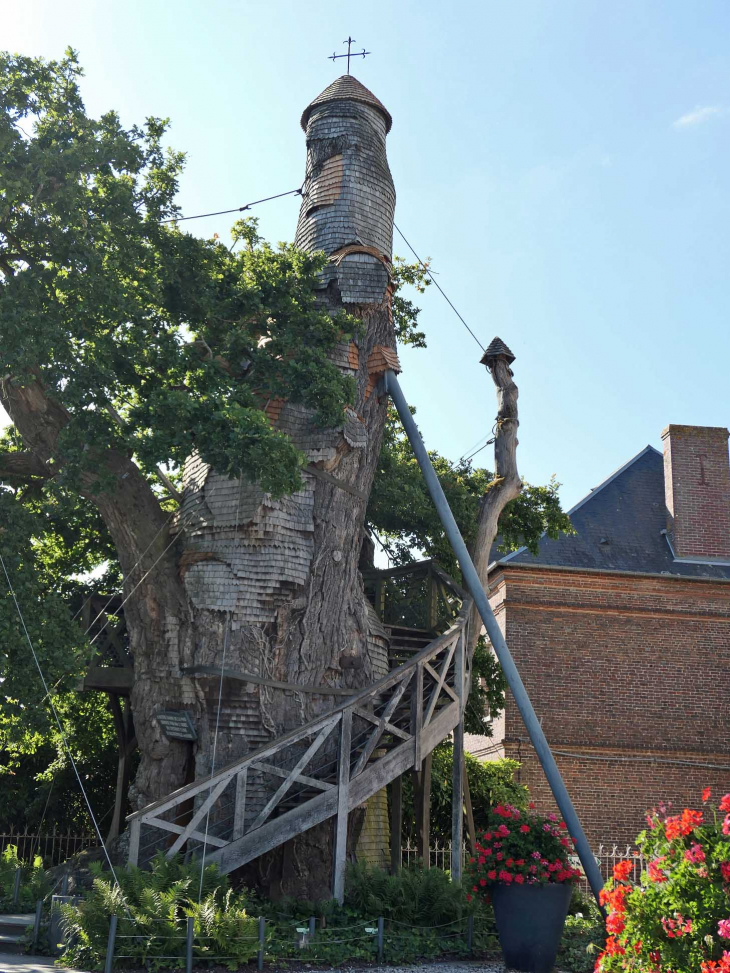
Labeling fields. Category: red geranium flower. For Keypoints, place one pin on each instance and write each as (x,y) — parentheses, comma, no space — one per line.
(725,803)
(655,872)
(615,923)
(525,828)
(622,870)
(706,794)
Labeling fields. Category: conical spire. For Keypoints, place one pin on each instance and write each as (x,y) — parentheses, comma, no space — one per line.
(497,349)
(347,88)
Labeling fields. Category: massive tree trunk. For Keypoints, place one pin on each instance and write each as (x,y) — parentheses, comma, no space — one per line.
(274,586)
(237,579)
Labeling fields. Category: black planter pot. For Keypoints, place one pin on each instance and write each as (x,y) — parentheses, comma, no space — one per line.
(530,920)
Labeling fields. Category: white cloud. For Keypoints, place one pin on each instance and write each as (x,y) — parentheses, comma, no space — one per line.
(697,116)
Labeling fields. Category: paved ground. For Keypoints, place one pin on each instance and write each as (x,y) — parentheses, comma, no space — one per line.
(16,963)
(484,966)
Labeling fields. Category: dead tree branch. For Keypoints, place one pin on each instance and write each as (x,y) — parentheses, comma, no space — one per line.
(506,484)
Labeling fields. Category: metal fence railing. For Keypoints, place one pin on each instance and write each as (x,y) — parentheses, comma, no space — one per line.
(54,847)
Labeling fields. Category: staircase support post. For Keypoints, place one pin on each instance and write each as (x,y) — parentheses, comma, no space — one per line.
(499,644)
(457,769)
(396,823)
(343,797)
(422,802)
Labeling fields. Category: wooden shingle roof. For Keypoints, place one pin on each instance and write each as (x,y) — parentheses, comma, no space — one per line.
(348,88)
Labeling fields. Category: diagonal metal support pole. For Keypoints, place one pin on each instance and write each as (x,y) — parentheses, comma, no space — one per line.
(474,586)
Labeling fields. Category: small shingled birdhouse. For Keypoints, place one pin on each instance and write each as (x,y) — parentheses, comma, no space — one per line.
(497,349)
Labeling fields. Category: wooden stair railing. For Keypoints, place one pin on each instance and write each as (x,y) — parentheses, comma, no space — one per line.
(321,770)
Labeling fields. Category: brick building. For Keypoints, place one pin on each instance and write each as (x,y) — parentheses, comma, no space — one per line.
(621,633)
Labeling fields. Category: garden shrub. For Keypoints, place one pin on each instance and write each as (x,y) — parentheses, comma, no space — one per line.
(678,918)
(425,914)
(584,937)
(417,896)
(152,909)
(33,882)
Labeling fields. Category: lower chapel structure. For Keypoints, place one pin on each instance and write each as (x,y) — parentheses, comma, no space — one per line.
(621,633)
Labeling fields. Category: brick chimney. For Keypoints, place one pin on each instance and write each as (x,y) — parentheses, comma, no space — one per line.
(697,491)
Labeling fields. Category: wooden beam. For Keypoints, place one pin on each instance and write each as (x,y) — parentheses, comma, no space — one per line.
(276,832)
(134,832)
(372,718)
(343,800)
(396,823)
(422,802)
(178,829)
(109,679)
(440,682)
(417,714)
(381,724)
(239,808)
(457,769)
(298,768)
(470,829)
(321,785)
(207,804)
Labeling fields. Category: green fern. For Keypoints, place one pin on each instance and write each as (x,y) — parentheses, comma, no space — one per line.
(152,908)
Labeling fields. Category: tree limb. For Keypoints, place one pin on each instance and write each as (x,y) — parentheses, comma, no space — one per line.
(132,512)
(506,484)
(23,466)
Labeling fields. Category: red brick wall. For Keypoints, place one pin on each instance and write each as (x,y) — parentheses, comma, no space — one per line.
(697,490)
(623,667)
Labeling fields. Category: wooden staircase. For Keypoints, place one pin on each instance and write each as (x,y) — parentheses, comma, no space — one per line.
(332,764)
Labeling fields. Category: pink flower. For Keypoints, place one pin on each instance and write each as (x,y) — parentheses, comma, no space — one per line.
(726,824)
(723,928)
(525,828)
(695,853)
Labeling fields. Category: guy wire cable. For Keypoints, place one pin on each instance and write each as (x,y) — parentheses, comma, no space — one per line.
(64,738)
(236,209)
(433,279)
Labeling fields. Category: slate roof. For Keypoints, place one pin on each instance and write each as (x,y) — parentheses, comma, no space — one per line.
(619,527)
(348,88)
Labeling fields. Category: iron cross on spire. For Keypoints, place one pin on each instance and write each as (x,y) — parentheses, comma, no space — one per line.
(350,41)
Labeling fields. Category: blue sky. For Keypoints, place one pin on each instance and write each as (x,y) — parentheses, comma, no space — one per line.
(563,162)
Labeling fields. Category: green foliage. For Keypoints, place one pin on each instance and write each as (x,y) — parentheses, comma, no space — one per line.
(33,882)
(155,342)
(152,909)
(401,512)
(486,695)
(405,312)
(584,937)
(416,896)
(490,783)
(678,918)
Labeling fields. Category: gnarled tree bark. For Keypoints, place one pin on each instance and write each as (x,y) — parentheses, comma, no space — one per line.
(507,483)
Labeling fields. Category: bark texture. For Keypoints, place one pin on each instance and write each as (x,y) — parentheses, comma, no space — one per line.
(506,484)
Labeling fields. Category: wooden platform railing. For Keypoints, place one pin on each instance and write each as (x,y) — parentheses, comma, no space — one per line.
(321,770)
(418,595)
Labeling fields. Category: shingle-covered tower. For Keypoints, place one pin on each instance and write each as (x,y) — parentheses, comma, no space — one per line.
(274,583)
(349,197)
